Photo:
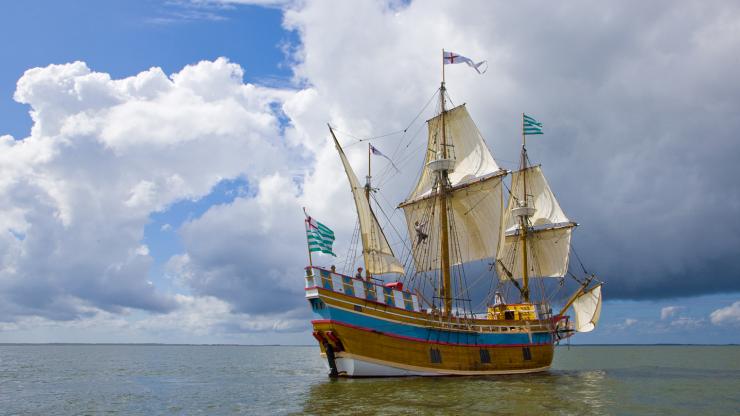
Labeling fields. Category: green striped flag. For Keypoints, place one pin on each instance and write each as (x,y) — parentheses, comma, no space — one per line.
(530,125)
(320,237)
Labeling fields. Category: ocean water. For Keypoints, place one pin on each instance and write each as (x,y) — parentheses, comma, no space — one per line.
(224,380)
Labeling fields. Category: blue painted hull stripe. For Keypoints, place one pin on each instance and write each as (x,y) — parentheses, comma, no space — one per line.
(437,335)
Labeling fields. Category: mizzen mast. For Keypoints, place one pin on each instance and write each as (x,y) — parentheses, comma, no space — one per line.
(367,182)
(378,255)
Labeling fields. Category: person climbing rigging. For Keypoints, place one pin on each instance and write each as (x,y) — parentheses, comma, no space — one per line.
(421,236)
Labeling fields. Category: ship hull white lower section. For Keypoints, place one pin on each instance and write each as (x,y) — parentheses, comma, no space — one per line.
(349,365)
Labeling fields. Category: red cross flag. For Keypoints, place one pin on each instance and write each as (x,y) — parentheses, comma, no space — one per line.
(454,58)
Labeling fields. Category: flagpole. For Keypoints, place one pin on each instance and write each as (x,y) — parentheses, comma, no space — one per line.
(367,185)
(443,66)
(308,242)
(308,247)
(524,136)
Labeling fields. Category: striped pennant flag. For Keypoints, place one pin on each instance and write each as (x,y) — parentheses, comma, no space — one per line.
(530,125)
(320,237)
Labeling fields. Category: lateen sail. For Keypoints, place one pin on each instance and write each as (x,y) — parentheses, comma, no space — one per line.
(588,309)
(475,200)
(377,252)
(548,237)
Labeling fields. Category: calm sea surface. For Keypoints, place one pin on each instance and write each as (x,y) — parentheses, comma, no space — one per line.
(210,380)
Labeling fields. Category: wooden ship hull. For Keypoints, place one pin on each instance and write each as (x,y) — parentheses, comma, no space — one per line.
(361,337)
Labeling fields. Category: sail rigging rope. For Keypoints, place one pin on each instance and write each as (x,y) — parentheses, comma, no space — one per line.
(393,133)
(573,249)
(461,286)
(388,219)
(423,256)
(349,265)
(359,140)
(428,251)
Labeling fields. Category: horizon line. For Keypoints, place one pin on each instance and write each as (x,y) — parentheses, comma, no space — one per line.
(312,345)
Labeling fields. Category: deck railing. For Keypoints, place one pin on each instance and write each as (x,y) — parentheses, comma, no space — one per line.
(404,299)
(359,288)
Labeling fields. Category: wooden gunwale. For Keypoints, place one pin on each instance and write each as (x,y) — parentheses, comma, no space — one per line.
(425,320)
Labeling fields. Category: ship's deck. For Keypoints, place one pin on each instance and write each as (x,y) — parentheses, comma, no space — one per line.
(325,288)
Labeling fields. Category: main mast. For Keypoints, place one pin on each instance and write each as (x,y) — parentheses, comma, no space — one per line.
(442,181)
(445,192)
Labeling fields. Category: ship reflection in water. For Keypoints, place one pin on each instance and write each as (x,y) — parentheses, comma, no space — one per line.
(553,392)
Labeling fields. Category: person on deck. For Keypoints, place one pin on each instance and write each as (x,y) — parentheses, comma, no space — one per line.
(333,268)
(359,273)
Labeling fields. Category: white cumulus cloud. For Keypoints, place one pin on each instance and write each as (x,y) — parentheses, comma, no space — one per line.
(103,154)
(729,315)
(670,311)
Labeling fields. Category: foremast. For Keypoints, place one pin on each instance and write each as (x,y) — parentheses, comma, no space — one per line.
(524,219)
(523,211)
(536,237)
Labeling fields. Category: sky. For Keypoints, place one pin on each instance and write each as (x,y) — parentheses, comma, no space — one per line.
(155,156)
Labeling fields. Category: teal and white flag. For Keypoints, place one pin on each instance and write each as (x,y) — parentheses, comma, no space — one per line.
(320,237)
(530,125)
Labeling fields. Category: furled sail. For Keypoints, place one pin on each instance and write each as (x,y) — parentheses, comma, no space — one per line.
(548,234)
(587,307)
(377,252)
(475,199)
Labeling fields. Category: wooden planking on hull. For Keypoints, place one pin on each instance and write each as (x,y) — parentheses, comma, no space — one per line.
(440,359)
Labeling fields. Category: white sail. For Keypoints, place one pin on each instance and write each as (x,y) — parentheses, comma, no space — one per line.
(539,196)
(466,146)
(548,237)
(379,258)
(587,309)
(474,212)
(475,199)
(547,254)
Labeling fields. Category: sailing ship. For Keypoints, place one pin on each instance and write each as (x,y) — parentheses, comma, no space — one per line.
(416,317)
